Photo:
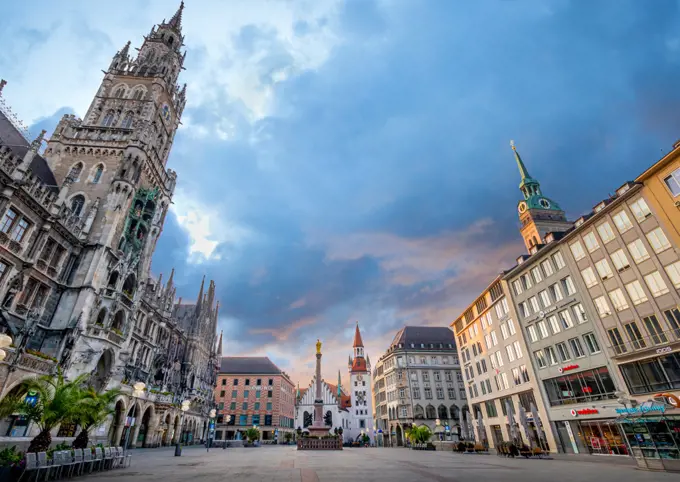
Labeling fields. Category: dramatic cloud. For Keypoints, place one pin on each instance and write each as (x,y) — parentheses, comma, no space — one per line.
(349,160)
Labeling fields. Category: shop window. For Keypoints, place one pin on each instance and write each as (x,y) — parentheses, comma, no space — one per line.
(586,386)
(652,375)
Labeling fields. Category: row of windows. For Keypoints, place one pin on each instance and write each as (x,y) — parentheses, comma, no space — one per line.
(450,392)
(656,335)
(244,406)
(543,270)
(244,420)
(564,351)
(246,393)
(622,221)
(246,382)
(520,375)
(501,308)
(653,375)
(562,320)
(77,169)
(655,284)
(547,298)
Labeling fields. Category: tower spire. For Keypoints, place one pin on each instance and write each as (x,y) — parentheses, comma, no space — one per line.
(219,345)
(523,172)
(339,385)
(199,301)
(176,20)
(358,342)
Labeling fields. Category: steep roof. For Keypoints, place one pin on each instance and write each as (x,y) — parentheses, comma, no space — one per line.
(357,337)
(12,138)
(425,335)
(248,365)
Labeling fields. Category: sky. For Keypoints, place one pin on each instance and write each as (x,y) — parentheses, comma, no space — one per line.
(343,161)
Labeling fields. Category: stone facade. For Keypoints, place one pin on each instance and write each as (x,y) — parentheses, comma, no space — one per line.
(418,381)
(80,223)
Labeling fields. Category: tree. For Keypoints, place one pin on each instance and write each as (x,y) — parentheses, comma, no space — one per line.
(252,434)
(94,410)
(57,401)
(418,434)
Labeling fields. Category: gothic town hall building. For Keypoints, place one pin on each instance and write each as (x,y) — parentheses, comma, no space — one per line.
(80,216)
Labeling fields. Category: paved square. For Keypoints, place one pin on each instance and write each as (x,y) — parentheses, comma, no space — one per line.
(274,463)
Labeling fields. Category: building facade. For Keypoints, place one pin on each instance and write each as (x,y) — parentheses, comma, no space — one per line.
(506,403)
(80,222)
(253,391)
(336,407)
(419,381)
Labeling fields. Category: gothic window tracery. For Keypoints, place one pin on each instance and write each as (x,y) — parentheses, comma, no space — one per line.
(139,93)
(77,203)
(107,121)
(120,92)
(75,171)
(98,171)
(127,120)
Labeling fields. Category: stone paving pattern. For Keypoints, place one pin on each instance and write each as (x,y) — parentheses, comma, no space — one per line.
(285,463)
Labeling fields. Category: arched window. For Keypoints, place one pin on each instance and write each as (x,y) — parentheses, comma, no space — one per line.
(107,121)
(129,286)
(118,321)
(127,121)
(77,203)
(139,93)
(101,317)
(120,92)
(430,412)
(443,413)
(75,171)
(113,279)
(418,412)
(96,177)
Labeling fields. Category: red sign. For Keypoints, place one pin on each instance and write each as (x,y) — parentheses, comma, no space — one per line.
(595,443)
(585,411)
(587,390)
(567,368)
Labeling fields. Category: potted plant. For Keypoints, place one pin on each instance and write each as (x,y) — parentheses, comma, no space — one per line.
(11,463)
(253,435)
(95,409)
(57,401)
(288,437)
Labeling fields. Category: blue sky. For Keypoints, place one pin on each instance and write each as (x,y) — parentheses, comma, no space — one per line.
(350,160)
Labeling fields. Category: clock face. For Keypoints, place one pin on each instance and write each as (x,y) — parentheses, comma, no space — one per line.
(522,207)
(360,378)
(545,203)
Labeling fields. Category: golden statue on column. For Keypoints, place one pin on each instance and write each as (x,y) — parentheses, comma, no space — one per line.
(318,346)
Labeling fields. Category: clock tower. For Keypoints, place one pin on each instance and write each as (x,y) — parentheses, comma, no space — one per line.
(361,419)
(538,215)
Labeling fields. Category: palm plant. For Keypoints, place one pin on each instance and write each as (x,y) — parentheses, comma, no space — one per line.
(252,434)
(419,434)
(57,401)
(94,410)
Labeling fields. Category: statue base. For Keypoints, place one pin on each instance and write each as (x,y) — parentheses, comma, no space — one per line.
(313,443)
(316,432)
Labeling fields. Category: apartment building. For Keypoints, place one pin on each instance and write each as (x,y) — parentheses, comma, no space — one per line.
(418,381)
(501,383)
(253,391)
(575,377)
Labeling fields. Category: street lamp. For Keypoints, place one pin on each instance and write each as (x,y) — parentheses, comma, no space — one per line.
(212,414)
(227,420)
(178,445)
(439,430)
(138,391)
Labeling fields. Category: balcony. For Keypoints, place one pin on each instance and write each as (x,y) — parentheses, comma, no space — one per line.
(659,344)
(35,362)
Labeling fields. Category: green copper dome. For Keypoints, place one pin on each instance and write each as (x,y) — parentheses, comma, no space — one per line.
(531,189)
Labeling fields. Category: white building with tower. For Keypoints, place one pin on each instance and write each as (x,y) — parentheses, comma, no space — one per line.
(349,408)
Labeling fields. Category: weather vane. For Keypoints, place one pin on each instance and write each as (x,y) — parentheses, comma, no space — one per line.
(512,144)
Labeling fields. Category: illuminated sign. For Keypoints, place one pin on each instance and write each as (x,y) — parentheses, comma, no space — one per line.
(567,368)
(585,411)
(644,408)
(665,349)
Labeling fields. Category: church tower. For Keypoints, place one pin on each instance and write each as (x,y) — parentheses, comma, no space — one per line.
(110,166)
(360,390)
(538,215)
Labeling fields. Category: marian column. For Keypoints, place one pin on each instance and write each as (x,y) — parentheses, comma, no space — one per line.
(318,428)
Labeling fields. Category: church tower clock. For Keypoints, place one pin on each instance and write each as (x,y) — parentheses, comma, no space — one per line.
(538,215)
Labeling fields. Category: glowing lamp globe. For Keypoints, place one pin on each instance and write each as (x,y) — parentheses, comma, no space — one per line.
(139,386)
(213,412)
(5,340)
(3,354)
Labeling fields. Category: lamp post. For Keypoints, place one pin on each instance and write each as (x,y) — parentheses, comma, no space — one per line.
(138,390)
(227,420)
(178,445)
(439,431)
(212,414)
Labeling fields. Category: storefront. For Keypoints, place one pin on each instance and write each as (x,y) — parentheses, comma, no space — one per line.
(652,432)
(595,437)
